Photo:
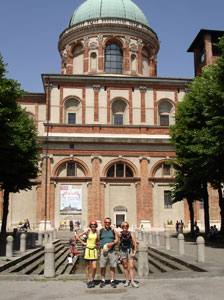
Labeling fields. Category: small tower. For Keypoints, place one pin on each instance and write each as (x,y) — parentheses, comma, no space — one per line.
(204,49)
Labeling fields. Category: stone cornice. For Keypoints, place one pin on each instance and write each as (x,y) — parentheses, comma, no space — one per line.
(147,35)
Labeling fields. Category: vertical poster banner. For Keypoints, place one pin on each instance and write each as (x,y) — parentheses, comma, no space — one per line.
(70,199)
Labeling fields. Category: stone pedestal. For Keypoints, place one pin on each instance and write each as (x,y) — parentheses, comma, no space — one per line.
(9,246)
(42,226)
(143,264)
(200,249)
(181,244)
(146,224)
(23,243)
(49,261)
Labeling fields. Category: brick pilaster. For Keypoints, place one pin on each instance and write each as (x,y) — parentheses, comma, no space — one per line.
(86,55)
(143,91)
(127,56)
(153,67)
(155,105)
(144,194)
(96,192)
(96,89)
(52,203)
(45,190)
(140,71)
(108,107)
(130,107)
(100,53)
(84,105)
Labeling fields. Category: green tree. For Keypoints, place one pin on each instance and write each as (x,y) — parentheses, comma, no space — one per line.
(198,134)
(18,143)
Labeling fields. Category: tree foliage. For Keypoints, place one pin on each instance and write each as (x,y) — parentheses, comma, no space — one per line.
(198,134)
(18,142)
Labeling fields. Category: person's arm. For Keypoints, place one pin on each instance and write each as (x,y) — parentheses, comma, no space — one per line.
(79,235)
(98,240)
(135,244)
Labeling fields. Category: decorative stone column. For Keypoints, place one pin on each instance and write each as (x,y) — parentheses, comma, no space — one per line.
(181,244)
(127,55)
(23,243)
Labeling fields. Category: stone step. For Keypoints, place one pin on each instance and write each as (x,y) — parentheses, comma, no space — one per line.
(164,263)
(184,265)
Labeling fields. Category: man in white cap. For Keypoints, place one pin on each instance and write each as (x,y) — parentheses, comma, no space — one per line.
(108,239)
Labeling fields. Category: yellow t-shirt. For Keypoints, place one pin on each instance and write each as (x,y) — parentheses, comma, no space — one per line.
(91,250)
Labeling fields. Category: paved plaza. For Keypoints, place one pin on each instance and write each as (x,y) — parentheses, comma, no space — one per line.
(168,286)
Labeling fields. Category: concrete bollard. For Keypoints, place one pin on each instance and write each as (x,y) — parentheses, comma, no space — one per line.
(157,239)
(200,249)
(150,237)
(140,237)
(23,243)
(49,261)
(54,234)
(181,244)
(45,238)
(144,237)
(9,246)
(167,240)
(40,238)
(33,240)
(143,263)
(147,237)
(50,240)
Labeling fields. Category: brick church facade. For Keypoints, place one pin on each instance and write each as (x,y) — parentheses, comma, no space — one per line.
(103,124)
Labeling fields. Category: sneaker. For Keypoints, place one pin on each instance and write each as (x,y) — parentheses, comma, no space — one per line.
(113,284)
(102,284)
(126,283)
(89,284)
(134,284)
(92,284)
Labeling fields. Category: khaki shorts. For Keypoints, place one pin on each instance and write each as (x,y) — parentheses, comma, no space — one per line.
(109,257)
(126,254)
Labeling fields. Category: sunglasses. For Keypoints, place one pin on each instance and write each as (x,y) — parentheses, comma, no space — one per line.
(124,226)
(93,224)
(107,222)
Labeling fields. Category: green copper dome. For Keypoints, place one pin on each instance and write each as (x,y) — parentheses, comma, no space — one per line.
(101,9)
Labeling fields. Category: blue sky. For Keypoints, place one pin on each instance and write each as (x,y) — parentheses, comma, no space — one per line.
(29,32)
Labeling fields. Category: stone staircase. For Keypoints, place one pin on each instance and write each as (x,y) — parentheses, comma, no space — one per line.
(32,263)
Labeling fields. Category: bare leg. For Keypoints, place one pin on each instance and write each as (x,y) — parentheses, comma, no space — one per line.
(112,273)
(103,273)
(131,269)
(125,265)
(87,271)
(93,269)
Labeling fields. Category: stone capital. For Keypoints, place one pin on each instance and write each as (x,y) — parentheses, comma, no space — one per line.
(143,89)
(144,157)
(96,88)
(96,157)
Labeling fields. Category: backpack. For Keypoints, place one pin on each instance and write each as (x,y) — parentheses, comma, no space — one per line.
(126,242)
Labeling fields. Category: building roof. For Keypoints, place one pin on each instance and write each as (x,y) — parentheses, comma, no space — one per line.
(200,35)
(103,9)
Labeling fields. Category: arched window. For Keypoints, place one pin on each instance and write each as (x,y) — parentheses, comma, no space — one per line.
(113,59)
(165,110)
(119,112)
(164,170)
(119,170)
(71,169)
(72,111)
